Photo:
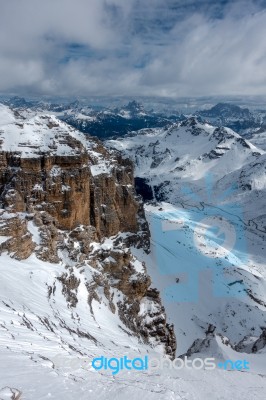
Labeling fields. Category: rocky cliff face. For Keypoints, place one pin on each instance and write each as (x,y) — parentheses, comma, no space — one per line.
(68,184)
(63,197)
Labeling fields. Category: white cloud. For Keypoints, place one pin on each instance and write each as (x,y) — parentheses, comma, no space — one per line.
(153,47)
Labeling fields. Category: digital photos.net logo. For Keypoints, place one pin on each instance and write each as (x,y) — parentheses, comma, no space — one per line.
(194,239)
(116,365)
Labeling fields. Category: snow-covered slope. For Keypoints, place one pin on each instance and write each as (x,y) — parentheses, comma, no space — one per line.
(258,138)
(69,295)
(41,333)
(186,151)
(39,134)
(208,236)
(47,347)
(249,192)
(200,289)
(70,286)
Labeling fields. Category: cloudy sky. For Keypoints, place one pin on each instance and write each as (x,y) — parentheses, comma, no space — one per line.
(133,47)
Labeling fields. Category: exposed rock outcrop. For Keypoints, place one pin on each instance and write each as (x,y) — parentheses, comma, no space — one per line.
(70,201)
(66,188)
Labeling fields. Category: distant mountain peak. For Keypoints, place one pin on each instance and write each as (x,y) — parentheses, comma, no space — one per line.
(134,107)
(192,121)
(226,110)
(17,101)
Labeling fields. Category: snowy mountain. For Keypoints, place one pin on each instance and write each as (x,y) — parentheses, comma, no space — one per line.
(186,151)
(83,275)
(241,120)
(108,121)
(172,165)
(70,285)
(103,122)
(208,230)
(133,108)
(227,110)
